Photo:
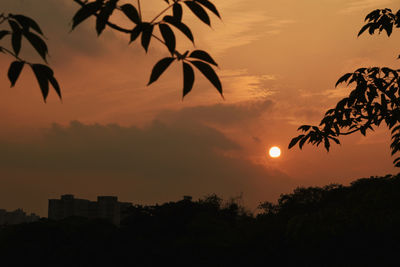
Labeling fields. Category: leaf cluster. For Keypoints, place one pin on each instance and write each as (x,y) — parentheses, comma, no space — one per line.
(381,20)
(375,98)
(20,27)
(167,25)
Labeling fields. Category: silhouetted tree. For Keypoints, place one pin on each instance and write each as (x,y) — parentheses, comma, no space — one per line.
(374,99)
(21,26)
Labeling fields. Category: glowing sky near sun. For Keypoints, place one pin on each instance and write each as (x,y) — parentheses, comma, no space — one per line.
(279,61)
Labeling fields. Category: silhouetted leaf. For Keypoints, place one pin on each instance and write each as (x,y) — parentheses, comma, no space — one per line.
(304,128)
(341,104)
(85,12)
(188,78)
(388,26)
(180,26)
(364,28)
(146,35)
(27,23)
(177,11)
(16,36)
(14,71)
(185,54)
(104,15)
(373,15)
(326,144)
(303,140)
(37,42)
(136,32)
(397,128)
(372,28)
(352,98)
(168,36)
(395,149)
(210,6)
(131,12)
(3,33)
(209,73)
(363,130)
(159,68)
(335,140)
(294,141)
(42,72)
(203,55)
(198,11)
(55,85)
(44,75)
(344,78)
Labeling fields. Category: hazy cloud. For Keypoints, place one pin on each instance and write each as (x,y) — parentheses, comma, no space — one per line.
(357,5)
(221,114)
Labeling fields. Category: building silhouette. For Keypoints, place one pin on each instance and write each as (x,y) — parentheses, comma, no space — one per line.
(106,207)
(16,217)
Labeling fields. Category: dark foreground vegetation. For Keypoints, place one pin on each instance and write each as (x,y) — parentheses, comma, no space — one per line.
(335,225)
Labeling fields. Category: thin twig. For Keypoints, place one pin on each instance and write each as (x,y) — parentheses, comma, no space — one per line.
(355,130)
(162,12)
(140,10)
(3,18)
(13,54)
(112,25)
(124,30)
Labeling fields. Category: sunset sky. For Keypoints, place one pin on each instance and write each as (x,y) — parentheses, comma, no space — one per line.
(113,135)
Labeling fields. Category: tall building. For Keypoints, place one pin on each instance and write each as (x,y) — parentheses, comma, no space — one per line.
(106,207)
(16,217)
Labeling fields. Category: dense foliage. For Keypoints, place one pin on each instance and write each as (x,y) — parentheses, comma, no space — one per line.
(375,97)
(21,26)
(335,225)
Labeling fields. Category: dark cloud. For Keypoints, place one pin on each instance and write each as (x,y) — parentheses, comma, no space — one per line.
(114,148)
(158,162)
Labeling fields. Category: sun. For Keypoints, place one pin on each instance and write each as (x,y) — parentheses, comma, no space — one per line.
(274,152)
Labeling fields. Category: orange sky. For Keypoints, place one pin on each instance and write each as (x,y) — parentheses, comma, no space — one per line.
(279,61)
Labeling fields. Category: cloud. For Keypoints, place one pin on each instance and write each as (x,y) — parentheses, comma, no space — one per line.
(110,148)
(357,5)
(220,114)
(236,29)
(159,162)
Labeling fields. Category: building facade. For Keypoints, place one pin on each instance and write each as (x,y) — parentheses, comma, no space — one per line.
(106,207)
(16,217)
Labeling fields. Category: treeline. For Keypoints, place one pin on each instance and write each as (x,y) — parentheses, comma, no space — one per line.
(335,225)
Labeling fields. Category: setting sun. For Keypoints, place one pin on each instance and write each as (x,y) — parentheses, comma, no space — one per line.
(274,152)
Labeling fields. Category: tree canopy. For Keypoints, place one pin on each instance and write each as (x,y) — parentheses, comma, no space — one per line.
(375,97)
(358,224)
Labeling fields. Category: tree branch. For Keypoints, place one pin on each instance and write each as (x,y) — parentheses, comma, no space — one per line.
(124,30)
(140,10)
(162,12)
(12,54)
(3,18)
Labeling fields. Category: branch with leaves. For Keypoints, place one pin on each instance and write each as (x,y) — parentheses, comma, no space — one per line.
(21,27)
(145,31)
(374,99)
